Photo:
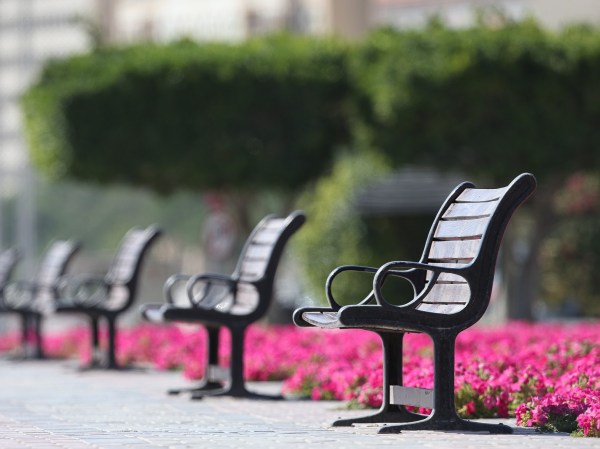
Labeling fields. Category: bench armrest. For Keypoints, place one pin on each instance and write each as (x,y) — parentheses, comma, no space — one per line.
(174,288)
(201,289)
(88,291)
(411,276)
(18,294)
(410,268)
(329,283)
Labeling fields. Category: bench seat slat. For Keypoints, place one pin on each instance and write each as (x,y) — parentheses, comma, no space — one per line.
(445,309)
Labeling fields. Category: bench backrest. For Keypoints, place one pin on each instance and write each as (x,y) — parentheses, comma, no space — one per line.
(468,231)
(259,259)
(55,262)
(8,262)
(124,270)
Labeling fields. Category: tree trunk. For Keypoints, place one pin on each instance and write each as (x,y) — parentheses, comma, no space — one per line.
(522,268)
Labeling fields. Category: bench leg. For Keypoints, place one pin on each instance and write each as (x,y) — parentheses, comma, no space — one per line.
(212,359)
(36,321)
(392,375)
(443,415)
(112,343)
(236,386)
(95,355)
(25,343)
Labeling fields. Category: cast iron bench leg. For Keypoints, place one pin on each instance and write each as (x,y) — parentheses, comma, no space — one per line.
(392,375)
(212,359)
(444,416)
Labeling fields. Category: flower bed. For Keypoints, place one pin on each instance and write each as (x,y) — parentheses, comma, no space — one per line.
(547,376)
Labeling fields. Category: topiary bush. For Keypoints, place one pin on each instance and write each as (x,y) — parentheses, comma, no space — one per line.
(265,113)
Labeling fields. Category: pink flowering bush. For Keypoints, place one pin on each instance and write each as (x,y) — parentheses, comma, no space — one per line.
(545,375)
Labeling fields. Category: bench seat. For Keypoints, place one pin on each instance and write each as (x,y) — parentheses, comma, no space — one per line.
(452,284)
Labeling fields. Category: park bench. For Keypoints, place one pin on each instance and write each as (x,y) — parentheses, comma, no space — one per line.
(109,296)
(30,299)
(8,262)
(233,302)
(452,284)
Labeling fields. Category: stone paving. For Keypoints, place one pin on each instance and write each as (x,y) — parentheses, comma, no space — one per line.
(49,404)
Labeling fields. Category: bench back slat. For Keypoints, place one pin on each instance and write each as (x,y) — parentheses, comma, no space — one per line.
(459,211)
(461,229)
(259,260)
(471,221)
(55,262)
(124,270)
(259,249)
(454,250)
(481,195)
(8,262)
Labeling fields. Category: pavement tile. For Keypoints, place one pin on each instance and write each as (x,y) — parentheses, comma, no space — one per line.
(48,404)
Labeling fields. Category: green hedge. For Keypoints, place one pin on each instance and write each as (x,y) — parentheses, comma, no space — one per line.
(266,113)
(488,101)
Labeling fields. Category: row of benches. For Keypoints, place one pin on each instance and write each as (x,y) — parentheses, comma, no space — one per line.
(452,283)
(100,298)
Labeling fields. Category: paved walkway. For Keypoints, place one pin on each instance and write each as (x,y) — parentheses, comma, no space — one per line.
(50,405)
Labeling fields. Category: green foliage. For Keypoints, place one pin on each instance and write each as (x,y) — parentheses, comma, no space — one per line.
(268,112)
(488,101)
(337,235)
(98,217)
(571,255)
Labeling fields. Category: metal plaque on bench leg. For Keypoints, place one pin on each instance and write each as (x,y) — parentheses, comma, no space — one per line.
(417,397)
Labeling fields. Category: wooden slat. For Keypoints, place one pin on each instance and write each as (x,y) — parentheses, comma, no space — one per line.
(258,251)
(446,309)
(53,264)
(252,269)
(274,224)
(446,277)
(461,229)
(479,195)
(128,255)
(454,250)
(448,293)
(470,210)
(265,237)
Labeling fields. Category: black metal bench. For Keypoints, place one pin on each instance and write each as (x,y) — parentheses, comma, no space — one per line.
(109,296)
(8,262)
(452,284)
(234,302)
(31,299)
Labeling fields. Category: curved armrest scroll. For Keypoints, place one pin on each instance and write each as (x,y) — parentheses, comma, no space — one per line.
(18,294)
(329,283)
(207,296)
(410,268)
(89,292)
(171,286)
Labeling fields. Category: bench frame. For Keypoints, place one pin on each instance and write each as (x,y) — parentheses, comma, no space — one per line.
(90,295)
(391,322)
(202,307)
(34,298)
